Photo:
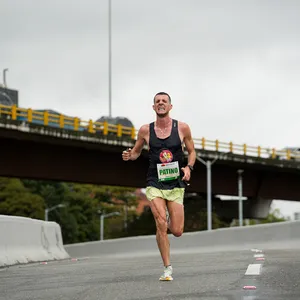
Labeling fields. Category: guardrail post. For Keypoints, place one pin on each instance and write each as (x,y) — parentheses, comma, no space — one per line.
(203,143)
(76,124)
(119,130)
(217,145)
(231,147)
(288,154)
(273,153)
(105,128)
(245,149)
(14,112)
(91,129)
(29,115)
(61,121)
(258,151)
(46,118)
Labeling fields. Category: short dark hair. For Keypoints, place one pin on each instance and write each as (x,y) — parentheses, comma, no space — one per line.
(162,93)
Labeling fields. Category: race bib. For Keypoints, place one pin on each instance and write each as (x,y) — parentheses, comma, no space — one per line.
(168,171)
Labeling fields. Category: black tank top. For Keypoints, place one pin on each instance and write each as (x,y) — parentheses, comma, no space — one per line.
(162,151)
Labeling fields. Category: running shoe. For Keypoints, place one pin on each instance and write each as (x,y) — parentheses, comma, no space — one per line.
(167,275)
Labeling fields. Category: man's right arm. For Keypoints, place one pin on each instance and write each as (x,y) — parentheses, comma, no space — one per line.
(135,152)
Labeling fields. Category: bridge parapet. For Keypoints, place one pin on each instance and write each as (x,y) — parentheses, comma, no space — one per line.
(61,126)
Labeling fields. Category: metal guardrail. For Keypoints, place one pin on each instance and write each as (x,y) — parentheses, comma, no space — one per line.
(44,118)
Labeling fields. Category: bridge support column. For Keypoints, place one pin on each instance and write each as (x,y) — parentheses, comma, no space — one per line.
(259,208)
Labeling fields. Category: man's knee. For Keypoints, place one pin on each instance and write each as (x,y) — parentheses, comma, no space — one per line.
(177,232)
(161,225)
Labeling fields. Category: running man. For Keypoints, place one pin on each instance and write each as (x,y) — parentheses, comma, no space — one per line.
(167,175)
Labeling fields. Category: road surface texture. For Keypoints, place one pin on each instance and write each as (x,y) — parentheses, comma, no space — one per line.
(225,275)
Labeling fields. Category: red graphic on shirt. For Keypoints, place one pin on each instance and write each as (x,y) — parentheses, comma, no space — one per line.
(165,156)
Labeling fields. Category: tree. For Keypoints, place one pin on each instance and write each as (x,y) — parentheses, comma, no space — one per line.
(79,219)
(17,200)
(82,210)
(52,192)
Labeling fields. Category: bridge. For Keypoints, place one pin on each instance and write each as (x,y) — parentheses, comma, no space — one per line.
(49,146)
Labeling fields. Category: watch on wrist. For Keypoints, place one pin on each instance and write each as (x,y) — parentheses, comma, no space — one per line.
(190,167)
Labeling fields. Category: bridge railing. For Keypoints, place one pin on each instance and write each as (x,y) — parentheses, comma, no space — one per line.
(245,149)
(230,147)
(55,120)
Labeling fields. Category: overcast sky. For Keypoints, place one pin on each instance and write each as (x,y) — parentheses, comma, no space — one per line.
(232,68)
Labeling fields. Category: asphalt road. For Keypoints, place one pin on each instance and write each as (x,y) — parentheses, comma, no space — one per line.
(275,274)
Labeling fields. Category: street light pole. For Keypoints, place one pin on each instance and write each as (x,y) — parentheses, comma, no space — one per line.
(47,210)
(240,188)
(101,227)
(208,165)
(125,215)
(4,77)
(208,182)
(102,216)
(109,57)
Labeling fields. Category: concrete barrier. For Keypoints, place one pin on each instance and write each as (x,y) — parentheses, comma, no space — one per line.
(275,235)
(24,240)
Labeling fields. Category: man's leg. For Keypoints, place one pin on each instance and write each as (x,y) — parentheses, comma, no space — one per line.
(158,207)
(176,212)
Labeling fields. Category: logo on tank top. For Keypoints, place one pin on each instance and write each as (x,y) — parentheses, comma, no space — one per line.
(165,156)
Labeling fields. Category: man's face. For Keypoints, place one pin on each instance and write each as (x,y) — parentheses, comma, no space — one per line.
(162,105)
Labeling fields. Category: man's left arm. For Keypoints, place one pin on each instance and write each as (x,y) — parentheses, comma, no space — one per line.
(189,144)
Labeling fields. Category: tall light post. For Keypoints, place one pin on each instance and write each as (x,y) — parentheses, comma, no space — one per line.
(240,188)
(47,210)
(102,217)
(125,215)
(109,57)
(208,165)
(4,77)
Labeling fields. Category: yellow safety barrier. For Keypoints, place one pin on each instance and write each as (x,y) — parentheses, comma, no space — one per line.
(49,119)
(104,128)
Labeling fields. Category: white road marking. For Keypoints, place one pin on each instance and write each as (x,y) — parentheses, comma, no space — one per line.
(253,269)
(259,255)
(256,250)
